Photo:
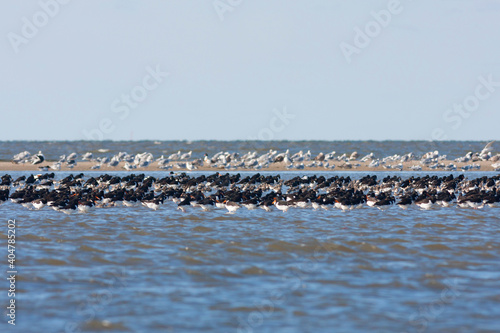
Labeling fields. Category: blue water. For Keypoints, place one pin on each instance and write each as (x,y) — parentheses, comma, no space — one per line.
(136,270)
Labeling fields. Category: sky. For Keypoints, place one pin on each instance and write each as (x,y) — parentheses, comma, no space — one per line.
(241,70)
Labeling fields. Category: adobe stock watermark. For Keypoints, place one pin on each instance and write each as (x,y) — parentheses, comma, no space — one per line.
(94,304)
(426,314)
(127,102)
(277,124)
(455,115)
(372,29)
(30,27)
(223,6)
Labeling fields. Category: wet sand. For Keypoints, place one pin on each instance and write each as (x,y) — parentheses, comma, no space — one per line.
(339,166)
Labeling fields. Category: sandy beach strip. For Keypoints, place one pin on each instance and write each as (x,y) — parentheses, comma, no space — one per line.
(275,167)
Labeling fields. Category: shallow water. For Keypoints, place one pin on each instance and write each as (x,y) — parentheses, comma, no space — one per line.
(137,270)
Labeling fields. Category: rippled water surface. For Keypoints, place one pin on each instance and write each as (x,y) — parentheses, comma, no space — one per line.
(137,270)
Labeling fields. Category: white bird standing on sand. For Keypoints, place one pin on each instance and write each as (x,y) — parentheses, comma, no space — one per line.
(488,148)
(354,156)
(298,157)
(330,156)
(129,166)
(22,157)
(367,157)
(72,156)
(307,156)
(465,158)
(114,161)
(87,156)
(175,156)
(56,166)
(485,154)
(186,155)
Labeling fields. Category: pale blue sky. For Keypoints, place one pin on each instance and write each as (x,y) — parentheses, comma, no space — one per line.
(227,76)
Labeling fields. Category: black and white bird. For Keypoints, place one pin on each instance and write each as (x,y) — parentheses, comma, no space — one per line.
(38,158)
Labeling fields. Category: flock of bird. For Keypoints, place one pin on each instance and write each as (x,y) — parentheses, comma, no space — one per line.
(77,193)
(254,161)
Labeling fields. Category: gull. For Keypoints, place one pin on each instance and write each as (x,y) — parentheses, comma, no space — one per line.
(431,154)
(251,163)
(298,157)
(307,156)
(342,157)
(143,163)
(367,157)
(442,158)
(287,160)
(330,156)
(72,156)
(129,166)
(328,166)
(56,166)
(354,156)
(87,156)
(190,166)
(114,161)
(407,157)
(466,167)
(38,158)
(280,157)
(186,155)
(103,160)
(162,161)
(320,157)
(426,160)
(175,156)
(488,148)
(180,165)
(451,167)
(465,158)
(495,158)
(22,157)
(165,166)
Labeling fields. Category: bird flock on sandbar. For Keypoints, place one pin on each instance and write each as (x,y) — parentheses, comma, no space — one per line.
(231,192)
(432,160)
